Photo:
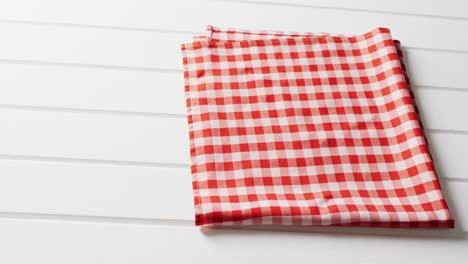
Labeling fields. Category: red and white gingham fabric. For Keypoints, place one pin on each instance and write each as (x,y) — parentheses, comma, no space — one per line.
(306,129)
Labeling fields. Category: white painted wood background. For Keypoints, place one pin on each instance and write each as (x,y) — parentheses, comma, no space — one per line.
(93,136)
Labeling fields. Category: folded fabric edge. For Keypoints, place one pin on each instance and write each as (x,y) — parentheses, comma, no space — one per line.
(203,40)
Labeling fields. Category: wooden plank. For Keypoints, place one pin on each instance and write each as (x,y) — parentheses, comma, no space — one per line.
(143,139)
(453,193)
(160,93)
(442,109)
(449,152)
(91,46)
(91,88)
(94,136)
(435,68)
(141,50)
(145,192)
(27,241)
(414,31)
(434,8)
(95,189)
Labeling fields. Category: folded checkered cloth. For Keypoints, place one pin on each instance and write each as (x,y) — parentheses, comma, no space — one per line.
(306,129)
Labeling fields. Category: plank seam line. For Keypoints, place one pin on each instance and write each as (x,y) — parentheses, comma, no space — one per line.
(93,218)
(89,65)
(91,111)
(440,88)
(447,131)
(406,48)
(130,163)
(93,161)
(93,26)
(346,9)
(181,32)
(451,179)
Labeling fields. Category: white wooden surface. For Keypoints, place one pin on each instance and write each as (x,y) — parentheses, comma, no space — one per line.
(93,137)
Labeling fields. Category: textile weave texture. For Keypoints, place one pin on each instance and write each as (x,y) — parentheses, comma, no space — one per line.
(306,129)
